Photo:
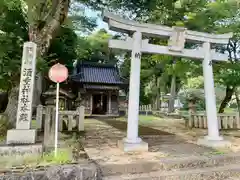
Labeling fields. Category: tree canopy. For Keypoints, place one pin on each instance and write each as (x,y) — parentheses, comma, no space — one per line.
(201,15)
(64,33)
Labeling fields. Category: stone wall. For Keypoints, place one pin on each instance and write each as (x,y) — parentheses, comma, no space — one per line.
(85,171)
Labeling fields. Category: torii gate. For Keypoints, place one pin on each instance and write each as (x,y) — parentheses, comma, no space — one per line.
(176,43)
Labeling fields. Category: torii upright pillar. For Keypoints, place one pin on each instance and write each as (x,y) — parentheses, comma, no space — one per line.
(213,139)
(132,142)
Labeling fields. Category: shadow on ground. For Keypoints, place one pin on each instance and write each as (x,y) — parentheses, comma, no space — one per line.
(162,141)
(143,130)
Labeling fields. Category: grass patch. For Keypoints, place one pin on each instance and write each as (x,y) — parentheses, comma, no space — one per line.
(64,156)
(142,118)
(34,124)
(2,138)
(148,119)
(216,152)
(230,110)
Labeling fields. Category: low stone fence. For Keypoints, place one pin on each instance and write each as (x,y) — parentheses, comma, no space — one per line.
(72,118)
(145,108)
(225,121)
(151,108)
(161,114)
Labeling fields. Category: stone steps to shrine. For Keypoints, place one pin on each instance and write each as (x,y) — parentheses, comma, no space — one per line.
(208,165)
(226,172)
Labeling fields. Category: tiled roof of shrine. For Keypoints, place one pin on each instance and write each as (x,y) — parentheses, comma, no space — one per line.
(100,87)
(97,73)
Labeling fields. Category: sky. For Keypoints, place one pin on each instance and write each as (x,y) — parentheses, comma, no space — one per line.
(100,22)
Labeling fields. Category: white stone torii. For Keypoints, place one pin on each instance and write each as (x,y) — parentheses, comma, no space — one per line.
(178,37)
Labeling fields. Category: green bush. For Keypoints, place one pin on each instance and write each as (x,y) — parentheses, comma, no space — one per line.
(194,95)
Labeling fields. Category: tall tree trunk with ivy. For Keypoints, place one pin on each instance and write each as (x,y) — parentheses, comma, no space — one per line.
(158,99)
(12,106)
(172,95)
(229,92)
(237,100)
(44,20)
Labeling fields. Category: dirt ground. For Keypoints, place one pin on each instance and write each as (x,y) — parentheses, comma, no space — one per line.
(165,137)
(101,138)
(177,127)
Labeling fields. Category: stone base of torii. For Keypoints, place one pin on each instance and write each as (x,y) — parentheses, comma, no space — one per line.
(176,47)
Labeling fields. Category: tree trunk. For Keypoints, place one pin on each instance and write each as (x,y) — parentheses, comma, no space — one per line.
(172,96)
(158,99)
(42,36)
(238,101)
(192,106)
(227,98)
(11,110)
(3,101)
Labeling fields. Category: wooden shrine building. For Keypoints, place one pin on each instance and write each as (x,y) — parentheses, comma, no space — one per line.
(97,86)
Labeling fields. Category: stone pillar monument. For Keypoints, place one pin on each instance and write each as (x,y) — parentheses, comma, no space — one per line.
(23,134)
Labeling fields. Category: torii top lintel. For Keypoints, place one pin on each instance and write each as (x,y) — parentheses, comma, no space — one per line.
(119,24)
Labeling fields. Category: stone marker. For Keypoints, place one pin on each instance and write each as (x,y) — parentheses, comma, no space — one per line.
(81,111)
(39,117)
(23,134)
(49,128)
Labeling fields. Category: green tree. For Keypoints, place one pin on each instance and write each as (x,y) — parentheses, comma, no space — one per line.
(14,28)
(63,48)
(43,20)
(94,48)
(201,15)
